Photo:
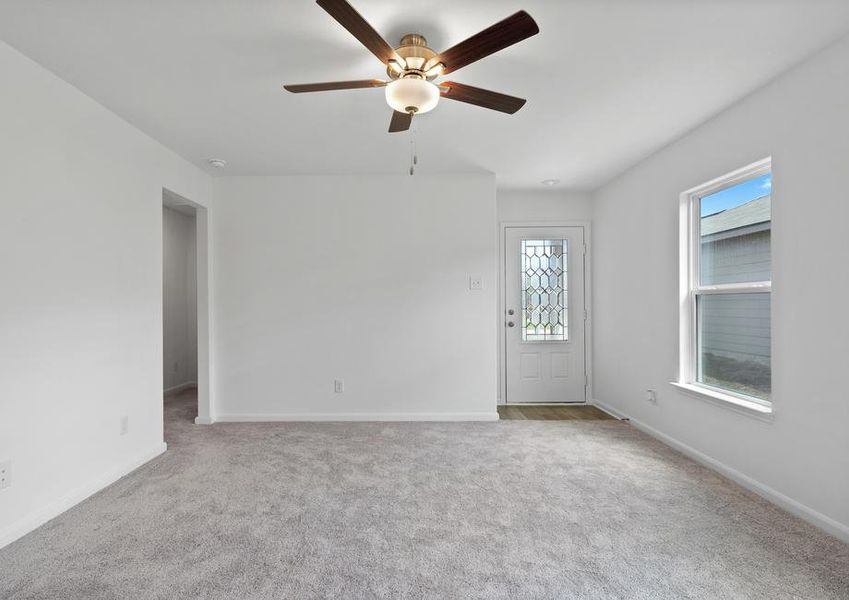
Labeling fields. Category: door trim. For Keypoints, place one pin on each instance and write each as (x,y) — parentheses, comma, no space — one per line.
(502,304)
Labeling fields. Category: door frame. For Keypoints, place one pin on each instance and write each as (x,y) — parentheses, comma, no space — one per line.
(203,253)
(502,304)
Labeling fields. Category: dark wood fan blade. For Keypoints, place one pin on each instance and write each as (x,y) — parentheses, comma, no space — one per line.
(511,30)
(333,85)
(400,122)
(351,20)
(481,97)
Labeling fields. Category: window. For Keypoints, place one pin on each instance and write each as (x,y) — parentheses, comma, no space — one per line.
(726,285)
(544,315)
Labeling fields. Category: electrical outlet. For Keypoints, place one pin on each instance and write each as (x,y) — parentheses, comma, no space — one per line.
(651,396)
(176,366)
(339,386)
(125,425)
(5,474)
(475,283)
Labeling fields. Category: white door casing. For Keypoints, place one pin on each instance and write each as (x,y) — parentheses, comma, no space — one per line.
(544,318)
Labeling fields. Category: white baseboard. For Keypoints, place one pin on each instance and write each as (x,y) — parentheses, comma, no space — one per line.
(203,421)
(180,387)
(260,418)
(41,516)
(824,522)
(609,410)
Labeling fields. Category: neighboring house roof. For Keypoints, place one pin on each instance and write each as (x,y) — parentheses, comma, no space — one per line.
(752,212)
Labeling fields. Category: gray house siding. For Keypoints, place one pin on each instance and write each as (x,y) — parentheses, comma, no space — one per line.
(743,258)
(736,326)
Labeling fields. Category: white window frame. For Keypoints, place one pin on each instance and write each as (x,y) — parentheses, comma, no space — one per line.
(690,290)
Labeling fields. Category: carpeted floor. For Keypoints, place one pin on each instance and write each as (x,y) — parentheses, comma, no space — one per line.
(515,509)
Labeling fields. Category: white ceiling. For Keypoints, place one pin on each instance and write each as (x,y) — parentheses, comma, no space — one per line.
(608,81)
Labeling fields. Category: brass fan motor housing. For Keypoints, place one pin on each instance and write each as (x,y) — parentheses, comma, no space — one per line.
(417,57)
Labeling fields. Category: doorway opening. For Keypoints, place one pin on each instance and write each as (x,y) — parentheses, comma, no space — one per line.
(184,326)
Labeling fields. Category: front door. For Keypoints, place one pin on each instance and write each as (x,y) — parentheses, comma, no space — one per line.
(544,314)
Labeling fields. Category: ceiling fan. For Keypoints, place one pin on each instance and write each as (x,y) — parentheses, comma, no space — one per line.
(412,66)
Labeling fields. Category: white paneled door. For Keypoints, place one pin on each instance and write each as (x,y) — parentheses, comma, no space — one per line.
(544,317)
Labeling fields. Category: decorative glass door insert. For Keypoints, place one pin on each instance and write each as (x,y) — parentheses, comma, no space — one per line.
(544,291)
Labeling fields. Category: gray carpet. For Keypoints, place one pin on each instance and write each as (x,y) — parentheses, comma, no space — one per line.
(515,509)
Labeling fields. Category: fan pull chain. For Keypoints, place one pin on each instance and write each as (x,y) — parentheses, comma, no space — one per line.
(414,158)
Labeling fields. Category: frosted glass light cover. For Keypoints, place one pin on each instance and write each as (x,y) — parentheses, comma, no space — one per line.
(403,94)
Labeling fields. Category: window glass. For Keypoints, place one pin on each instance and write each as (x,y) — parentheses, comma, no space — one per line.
(734,230)
(733,340)
(544,301)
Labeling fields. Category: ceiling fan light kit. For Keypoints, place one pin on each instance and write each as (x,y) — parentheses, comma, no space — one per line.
(412,95)
(413,66)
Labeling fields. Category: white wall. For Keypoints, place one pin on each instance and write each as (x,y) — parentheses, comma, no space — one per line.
(81,307)
(543,205)
(365,279)
(801,459)
(179,300)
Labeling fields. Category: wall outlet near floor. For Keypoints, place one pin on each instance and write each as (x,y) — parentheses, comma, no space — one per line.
(475,283)
(125,425)
(651,396)
(176,366)
(5,474)
(339,386)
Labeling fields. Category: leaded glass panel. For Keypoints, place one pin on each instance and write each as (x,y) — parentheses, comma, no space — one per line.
(544,293)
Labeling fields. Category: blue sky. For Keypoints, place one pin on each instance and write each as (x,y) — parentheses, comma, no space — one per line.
(736,195)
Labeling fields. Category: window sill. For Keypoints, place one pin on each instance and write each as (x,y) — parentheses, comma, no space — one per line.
(741,405)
